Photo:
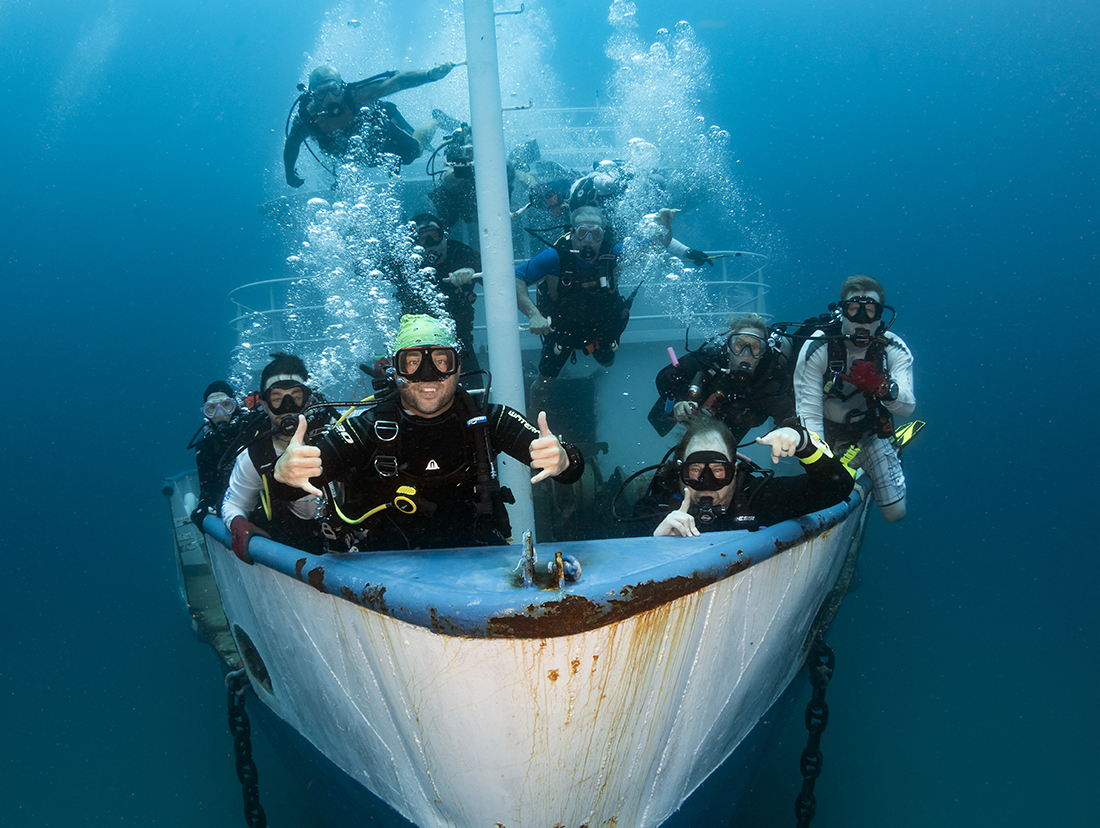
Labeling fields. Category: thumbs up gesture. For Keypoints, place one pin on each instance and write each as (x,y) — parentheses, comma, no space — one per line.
(679,522)
(547,453)
(299,462)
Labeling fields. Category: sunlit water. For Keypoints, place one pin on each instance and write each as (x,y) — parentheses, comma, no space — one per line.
(947,149)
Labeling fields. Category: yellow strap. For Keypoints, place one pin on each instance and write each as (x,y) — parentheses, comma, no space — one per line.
(265,498)
(354,408)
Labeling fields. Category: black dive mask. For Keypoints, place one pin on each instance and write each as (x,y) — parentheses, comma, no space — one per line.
(706,471)
(862,309)
(432,363)
(288,403)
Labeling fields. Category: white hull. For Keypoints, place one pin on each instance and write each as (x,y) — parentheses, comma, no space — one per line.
(615,725)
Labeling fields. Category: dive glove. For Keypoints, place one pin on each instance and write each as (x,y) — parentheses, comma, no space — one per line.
(242,531)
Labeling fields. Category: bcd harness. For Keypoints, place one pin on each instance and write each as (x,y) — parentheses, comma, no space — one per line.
(387,438)
(587,298)
(877,418)
(382,117)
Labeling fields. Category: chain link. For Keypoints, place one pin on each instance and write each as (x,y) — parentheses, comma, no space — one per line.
(821,662)
(237,684)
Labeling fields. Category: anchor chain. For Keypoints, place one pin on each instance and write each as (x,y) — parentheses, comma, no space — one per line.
(236,683)
(821,662)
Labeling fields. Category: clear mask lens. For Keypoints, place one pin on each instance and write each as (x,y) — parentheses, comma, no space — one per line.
(218,408)
(583,232)
(289,400)
(862,309)
(706,471)
(426,364)
(747,344)
(328,91)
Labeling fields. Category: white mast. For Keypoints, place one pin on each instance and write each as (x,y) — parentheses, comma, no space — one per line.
(495,237)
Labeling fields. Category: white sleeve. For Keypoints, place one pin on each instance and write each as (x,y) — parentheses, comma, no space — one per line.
(899,362)
(243,492)
(809,398)
(677,248)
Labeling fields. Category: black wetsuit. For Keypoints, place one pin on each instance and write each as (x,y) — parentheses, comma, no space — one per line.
(384,448)
(742,401)
(458,301)
(759,499)
(215,453)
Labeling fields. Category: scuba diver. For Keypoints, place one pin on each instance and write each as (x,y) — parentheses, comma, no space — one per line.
(226,427)
(333,112)
(579,306)
(707,487)
(455,193)
(429,450)
(456,265)
(626,190)
(286,515)
(852,377)
(742,379)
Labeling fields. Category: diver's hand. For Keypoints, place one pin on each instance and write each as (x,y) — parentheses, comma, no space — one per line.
(665,217)
(683,410)
(698,257)
(547,453)
(462,276)
(293,179)
(679,522)
(784,442)
(539,324)
(242,532)
(441,71)
(299,462)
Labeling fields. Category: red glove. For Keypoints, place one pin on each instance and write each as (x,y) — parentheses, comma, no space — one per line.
(866,377)
(243,530)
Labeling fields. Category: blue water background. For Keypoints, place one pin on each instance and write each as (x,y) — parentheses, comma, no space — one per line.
(949,148)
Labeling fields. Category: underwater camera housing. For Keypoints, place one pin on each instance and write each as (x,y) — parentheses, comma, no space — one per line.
(459,152)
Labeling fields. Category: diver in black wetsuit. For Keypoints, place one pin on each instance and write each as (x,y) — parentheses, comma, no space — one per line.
(333,112)
(225,429)
(429,451)
(742,380)
(707,489)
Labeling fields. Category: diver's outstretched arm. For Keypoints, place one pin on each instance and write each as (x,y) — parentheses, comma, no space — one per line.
(402,80)
(291,149)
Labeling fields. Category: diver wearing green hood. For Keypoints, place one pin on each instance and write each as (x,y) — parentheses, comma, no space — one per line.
(333,112)
(433,440)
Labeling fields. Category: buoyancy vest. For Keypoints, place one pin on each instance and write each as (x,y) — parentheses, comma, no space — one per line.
(585,303)
(380,123)
(876,417)
(472,470)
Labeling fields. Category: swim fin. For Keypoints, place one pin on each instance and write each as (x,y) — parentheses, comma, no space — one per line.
(902,436)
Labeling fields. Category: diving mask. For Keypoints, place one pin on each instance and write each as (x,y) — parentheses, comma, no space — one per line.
(862,309)
(328,92)
(432,363)
(290,400)
(706,471)
(585,231)
(743,343)
(219,408)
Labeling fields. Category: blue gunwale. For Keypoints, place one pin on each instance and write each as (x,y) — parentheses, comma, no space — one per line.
(477,591)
